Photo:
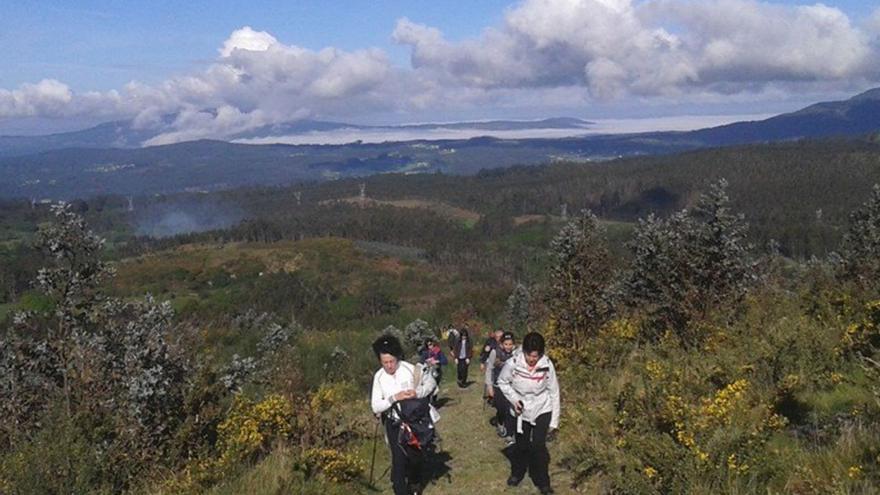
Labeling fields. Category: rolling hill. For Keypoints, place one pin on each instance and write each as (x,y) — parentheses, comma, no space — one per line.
(101,168)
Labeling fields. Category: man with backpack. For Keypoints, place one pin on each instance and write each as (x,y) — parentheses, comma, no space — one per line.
(401,396)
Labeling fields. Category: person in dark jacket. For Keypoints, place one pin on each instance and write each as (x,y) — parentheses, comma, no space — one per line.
(503,415)
(528,380)
(464,350)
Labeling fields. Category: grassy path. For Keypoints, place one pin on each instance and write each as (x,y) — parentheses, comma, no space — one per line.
(471,458)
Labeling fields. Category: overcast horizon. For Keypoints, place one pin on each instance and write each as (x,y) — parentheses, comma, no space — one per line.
(222,70)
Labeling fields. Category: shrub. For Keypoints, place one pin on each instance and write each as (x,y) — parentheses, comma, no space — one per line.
(250,428)
(110,368)
(336,466)
(518,309)
(689,264)
(860,248)
(579,278)
(416,333)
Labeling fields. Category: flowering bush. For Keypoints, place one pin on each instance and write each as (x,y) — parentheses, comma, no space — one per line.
(336,466)
(250,428)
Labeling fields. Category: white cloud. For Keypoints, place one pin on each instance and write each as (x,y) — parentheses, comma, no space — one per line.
(45,98)
(872,25)
(247,39)
(554,55)
(614,47)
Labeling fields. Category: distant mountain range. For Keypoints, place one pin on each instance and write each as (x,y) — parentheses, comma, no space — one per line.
(108,159)
(124,135)
(119,134)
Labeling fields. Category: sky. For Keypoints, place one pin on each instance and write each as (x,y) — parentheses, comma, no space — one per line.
(208,69)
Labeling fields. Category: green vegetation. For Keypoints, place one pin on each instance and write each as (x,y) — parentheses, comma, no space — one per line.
(692,361)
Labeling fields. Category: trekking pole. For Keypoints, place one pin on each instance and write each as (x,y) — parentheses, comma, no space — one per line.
(373,462)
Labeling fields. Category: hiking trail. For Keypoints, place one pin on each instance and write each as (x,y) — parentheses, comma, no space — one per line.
(470,457)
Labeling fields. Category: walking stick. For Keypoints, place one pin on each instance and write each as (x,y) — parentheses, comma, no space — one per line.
(373,462)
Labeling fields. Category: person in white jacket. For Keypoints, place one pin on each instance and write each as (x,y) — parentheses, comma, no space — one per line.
(528,380)
(394,382)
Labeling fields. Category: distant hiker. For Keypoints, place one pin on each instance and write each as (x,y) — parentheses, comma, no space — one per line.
(432,356)
(463,352)
(452,338)
(493,340)
(528,381)
(504,419)
(401,396)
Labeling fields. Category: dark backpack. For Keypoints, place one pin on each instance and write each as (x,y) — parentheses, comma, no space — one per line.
(416,426)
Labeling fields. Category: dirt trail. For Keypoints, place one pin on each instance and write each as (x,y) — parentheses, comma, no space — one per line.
(471,458)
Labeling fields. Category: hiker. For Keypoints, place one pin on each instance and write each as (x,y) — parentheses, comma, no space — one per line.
(401,397)
(462,353)
(528,381)
(432,356)
(493,340)
(504,419)
(452,338)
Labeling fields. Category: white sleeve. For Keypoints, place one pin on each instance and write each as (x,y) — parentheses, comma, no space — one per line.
(378,401)
(554,397)
(505,382)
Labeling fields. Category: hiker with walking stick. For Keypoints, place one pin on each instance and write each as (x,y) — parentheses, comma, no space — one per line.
(401,395)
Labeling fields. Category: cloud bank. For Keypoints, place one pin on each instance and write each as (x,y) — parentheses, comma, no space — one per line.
(544,52)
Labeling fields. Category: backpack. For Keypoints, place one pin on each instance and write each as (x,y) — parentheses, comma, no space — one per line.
(416,425)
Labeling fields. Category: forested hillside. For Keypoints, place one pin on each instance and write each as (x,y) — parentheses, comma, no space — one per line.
(695,355)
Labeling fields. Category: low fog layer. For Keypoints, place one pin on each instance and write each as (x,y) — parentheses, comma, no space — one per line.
(602,126)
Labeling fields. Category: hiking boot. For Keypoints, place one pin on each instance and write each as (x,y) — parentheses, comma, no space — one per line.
(513,481)
(546,490)
(510,440)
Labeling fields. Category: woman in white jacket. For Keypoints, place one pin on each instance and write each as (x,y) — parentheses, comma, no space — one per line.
(528,380)
(395,382)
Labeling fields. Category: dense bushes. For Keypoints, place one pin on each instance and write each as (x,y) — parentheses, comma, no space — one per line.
(860,250)
(688,264)
(108,374)
(706,381)
(99,394)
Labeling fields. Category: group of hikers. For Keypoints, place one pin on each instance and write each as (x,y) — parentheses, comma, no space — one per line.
(520,382)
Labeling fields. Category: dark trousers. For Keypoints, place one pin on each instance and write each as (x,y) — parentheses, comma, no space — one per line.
(462,372)
(406,463)
(530,452)
(502,411)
